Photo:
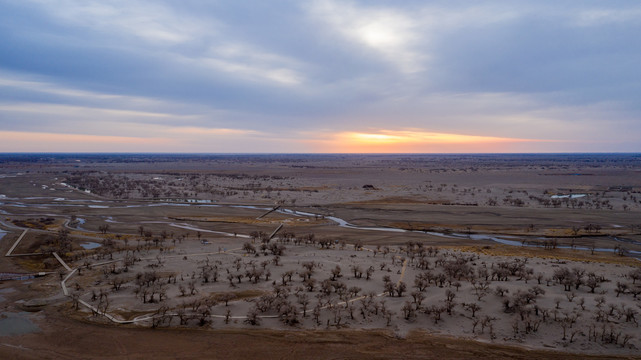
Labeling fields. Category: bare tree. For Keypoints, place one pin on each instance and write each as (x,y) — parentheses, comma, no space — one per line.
(252,317)
(226,297)
(418,298)
(449,301)
(336,273)
(471,307)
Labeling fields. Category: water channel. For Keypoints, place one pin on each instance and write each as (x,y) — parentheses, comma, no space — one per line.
(505,240)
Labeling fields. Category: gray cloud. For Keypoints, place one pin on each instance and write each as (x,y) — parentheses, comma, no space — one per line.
(562,71)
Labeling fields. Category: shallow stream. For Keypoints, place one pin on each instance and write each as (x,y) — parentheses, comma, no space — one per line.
(506,240)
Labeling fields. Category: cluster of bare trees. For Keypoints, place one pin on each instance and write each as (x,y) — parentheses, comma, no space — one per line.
(290,300)
(149,284)
(175,185)
(102,302)
(442,287)
(60,243)
(450,269)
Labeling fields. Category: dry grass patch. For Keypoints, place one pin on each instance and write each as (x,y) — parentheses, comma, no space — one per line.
(555,254)
(228,219)
(34,263)
(128,314)
(393,200)
(252,221)
(238,295)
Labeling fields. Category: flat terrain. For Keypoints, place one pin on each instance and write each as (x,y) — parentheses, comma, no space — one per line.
(371,256)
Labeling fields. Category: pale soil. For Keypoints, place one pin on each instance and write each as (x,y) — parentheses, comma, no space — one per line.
(460,323)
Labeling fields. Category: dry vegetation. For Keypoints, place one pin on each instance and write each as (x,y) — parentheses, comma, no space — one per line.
(190,242)
(550,303)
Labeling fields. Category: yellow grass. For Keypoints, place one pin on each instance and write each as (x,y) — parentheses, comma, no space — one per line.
(246,220)
(556,254)
(243,294)
(31,263)
(395,200)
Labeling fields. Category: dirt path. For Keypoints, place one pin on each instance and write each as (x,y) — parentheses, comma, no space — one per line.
(402,272)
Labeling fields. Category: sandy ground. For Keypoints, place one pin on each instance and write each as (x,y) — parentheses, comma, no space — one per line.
(186,264)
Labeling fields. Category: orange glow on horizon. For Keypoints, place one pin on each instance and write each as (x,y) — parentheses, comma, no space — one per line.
(232,140)
(372,138)
(388,136)
(415,141)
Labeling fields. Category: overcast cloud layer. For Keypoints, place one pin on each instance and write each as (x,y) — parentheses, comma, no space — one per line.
(320,76)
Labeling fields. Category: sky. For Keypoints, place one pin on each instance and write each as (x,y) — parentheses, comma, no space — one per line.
(320,76)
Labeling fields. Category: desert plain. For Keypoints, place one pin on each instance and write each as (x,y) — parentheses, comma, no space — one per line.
(320,256)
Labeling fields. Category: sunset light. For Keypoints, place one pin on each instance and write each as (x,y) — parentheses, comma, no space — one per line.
(393,141)
(395,137)
(373,138)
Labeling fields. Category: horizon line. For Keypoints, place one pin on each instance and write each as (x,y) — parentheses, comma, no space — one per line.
(316,153)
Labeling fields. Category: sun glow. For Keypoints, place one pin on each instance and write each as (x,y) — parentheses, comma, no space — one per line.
(414,140)
(373,138)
